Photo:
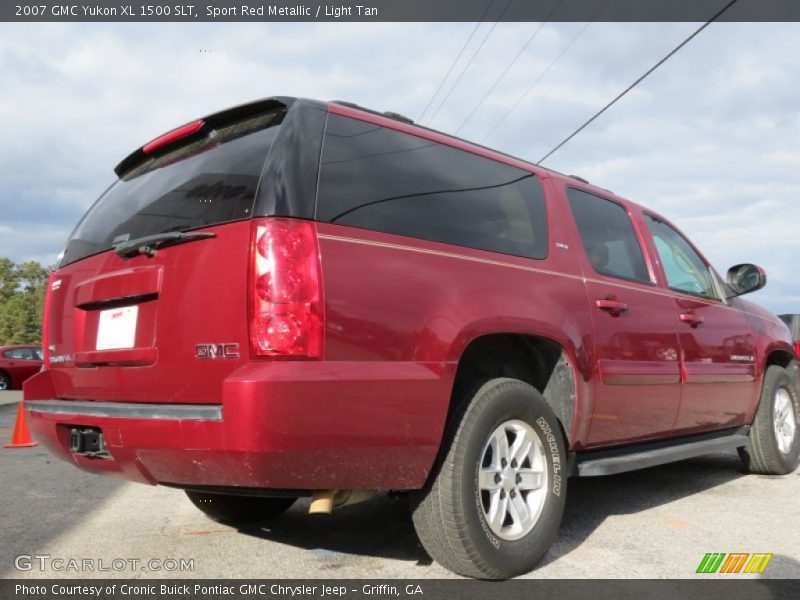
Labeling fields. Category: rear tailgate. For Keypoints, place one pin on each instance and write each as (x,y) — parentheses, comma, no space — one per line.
(164,324)
(150,329)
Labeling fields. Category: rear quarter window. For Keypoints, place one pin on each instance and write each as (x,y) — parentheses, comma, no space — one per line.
(384,180)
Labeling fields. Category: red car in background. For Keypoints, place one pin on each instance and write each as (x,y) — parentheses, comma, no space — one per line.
(17,363)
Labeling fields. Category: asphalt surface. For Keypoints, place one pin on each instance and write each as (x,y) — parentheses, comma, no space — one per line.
(655,523)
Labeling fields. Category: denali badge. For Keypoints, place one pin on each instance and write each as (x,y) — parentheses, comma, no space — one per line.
(216,351)
(742,358)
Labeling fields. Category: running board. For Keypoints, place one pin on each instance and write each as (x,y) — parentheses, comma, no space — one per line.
(641,456)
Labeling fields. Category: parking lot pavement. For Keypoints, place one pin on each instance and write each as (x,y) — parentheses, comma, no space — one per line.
(654,523)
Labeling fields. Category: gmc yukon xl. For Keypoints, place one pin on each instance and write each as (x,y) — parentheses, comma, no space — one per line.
(294,298)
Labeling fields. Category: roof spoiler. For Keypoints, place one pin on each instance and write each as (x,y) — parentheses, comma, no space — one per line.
(200,128)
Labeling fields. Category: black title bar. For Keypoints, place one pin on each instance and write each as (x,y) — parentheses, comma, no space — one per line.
(395,10)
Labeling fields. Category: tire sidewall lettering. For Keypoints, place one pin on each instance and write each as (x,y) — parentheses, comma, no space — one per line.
(555,454)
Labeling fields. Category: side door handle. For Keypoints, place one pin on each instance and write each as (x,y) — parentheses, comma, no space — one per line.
(612,305)
(691,319)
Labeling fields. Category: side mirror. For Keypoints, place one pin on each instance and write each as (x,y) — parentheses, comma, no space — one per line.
(745,278)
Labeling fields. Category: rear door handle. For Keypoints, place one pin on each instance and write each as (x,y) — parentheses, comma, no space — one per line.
(611,305)
(691,319)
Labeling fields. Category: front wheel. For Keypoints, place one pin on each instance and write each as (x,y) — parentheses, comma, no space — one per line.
(774,444)
(239,510)
(494,503)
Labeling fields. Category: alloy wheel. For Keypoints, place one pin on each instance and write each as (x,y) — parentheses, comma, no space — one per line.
(784,420)
(512,479)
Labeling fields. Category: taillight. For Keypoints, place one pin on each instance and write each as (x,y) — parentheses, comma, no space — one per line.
(286,307)
(46,318)
(797,349)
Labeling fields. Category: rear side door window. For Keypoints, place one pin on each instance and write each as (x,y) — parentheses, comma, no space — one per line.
(685,270)
(608,237)
(376,178)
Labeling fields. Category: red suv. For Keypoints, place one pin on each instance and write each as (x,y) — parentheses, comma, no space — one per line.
(295,298)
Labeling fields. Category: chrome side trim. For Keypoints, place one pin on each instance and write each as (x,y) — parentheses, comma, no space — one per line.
(127,410)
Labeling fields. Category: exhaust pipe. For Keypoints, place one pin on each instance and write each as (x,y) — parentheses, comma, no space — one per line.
(324,501)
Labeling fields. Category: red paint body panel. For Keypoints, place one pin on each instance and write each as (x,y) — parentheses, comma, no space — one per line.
(398,315)
(287,424)
(176,312)
(119,285)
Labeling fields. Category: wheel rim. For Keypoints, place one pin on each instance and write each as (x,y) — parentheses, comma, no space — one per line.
(512,479)
(784,420)
(3,383)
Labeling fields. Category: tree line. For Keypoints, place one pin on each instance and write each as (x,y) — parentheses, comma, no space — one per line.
(22,290)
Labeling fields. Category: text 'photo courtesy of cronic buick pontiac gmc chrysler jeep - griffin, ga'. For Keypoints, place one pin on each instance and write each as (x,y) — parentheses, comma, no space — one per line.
(294,298)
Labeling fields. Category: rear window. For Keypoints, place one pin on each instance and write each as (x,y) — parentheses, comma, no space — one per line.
(208,182)
(380,179)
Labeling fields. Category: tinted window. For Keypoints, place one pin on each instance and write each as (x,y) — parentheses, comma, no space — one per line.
(608,237)
(19,354)
(685,270)
(384,180)
(208,182)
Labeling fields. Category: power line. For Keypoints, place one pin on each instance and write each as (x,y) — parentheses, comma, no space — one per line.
(543,73)
(508,67)
(455,62)
(638,81)
(469,62)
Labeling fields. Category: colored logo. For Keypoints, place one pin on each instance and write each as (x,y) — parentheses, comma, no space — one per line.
(735,562)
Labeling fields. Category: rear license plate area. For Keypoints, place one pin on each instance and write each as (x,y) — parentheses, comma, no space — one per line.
(116,328)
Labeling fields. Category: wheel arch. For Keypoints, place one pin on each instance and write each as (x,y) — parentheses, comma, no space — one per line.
(780,357)
(539,360)
(786,359)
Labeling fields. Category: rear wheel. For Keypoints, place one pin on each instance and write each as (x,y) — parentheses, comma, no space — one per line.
(494,502)
(239,510)
(774,445)
(5,382)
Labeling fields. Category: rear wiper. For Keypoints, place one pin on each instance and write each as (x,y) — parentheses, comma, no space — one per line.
(150,243)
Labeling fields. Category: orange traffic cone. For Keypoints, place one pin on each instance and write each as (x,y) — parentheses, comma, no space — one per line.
(22,437)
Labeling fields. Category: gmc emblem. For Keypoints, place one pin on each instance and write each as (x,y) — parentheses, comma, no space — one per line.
(216,351)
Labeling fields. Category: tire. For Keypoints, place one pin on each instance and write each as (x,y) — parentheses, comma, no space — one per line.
(453,513)
(5,382)
(774,444)
(239,510)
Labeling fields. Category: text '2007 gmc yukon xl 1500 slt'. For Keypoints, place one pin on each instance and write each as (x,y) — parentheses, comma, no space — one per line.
(296,298)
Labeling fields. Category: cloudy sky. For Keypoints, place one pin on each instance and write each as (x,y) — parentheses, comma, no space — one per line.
(711,139)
